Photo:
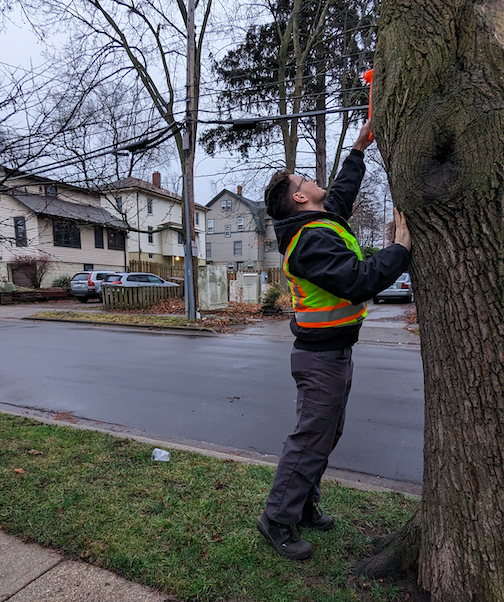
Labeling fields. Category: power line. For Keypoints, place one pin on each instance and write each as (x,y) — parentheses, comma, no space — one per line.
(146,143)
(253,120)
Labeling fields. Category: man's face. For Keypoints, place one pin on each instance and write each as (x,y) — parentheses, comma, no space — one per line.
(308,188)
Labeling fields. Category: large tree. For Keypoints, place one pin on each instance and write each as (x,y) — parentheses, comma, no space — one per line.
(438,117)
(301,56)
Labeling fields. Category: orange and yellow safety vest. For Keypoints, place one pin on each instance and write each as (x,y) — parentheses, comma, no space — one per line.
(313,306)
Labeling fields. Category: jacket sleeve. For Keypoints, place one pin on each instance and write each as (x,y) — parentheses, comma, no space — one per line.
(346,185)
(322,258)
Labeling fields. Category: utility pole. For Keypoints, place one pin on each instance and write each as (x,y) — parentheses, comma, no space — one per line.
(320,120)
(190,262)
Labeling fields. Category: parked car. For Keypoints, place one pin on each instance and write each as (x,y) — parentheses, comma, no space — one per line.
(136,279)
(399,291)
(87,285)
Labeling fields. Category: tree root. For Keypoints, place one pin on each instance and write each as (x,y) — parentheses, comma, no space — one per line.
(394,553)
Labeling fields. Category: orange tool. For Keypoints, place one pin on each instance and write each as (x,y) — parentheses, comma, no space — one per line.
(367,76)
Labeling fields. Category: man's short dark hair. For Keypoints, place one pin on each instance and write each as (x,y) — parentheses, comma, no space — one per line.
(277,197)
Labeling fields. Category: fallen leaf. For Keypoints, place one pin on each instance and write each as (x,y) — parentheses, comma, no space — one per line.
(34,452)
(19,470)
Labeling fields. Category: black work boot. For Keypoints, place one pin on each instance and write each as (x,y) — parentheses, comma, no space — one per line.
(284,538)
(314,518)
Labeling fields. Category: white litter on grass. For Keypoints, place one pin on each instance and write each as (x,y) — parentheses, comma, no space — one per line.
(160,455)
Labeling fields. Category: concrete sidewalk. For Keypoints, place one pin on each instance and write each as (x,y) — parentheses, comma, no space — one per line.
(30,573)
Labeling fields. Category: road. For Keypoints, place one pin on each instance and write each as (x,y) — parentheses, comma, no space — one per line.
(233,391)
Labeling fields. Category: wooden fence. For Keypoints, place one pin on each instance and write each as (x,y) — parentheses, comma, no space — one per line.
(273,275)
(137,297)
(167,272)
(176,273)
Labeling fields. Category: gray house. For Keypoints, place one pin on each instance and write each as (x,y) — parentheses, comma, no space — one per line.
(240,234)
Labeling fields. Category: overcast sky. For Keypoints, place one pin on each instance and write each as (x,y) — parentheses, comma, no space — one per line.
(19,47)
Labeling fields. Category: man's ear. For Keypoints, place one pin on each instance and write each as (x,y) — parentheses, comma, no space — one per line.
(299,197)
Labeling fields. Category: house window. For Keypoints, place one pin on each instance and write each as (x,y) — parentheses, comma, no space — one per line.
(239,266)
(196,217)
(20,231)
(270,245)
(230,266)
(151,255)
(208,250)
(119,203)
(180,239)
(223,206)
(89,267)
(228,205)
(51,190)
(210,225)
(241,224)
(227,231)
(149,206)
(237,248)
(150,235)
(98,237)
(66,234)
(115,239)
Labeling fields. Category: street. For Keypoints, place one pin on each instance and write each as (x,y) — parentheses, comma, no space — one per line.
(234,391)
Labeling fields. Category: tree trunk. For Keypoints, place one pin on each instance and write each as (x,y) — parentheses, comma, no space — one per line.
(439,122)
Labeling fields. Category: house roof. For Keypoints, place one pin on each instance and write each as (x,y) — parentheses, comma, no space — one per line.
(65,209)
(13,174)
(126,183)
(136,183)
(254,206)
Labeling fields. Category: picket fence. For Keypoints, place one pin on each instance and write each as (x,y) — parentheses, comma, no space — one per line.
(137,297)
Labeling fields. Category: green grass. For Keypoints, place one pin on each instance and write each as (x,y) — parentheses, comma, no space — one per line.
(116,318)
(187,526)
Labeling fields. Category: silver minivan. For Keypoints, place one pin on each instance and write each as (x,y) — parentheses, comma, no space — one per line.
(87,284)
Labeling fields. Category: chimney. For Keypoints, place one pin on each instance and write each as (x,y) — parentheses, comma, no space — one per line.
(156,179)
(239,190)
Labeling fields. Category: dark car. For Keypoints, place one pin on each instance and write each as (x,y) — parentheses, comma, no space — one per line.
(399,291)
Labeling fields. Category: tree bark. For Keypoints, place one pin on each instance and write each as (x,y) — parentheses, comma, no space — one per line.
(438,118)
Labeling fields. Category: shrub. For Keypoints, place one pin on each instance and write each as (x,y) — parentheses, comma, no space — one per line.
(34,268)
(61,282)
(368,252)
(271,296)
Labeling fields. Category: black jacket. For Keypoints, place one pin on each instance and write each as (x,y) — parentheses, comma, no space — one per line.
(322,258)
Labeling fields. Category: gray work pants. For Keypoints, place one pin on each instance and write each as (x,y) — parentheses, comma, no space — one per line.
(323,381)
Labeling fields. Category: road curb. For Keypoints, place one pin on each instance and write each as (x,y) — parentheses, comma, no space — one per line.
(192,329)
(172,445)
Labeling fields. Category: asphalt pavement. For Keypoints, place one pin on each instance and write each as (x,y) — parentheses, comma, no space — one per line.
(30,573)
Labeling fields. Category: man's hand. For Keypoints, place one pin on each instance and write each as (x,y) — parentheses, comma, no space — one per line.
(365,138)
(402,233)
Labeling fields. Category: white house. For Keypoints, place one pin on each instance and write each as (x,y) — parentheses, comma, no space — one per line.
(156,216)
(43,220)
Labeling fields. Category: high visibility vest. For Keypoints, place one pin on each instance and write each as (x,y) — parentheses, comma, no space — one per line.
(313,306)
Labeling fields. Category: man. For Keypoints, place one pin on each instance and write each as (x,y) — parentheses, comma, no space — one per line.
(330,284)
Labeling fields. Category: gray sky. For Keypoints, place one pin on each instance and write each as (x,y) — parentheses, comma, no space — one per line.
(19,47)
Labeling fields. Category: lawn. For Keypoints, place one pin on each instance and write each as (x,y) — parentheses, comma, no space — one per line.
(114,318)
(186,527)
